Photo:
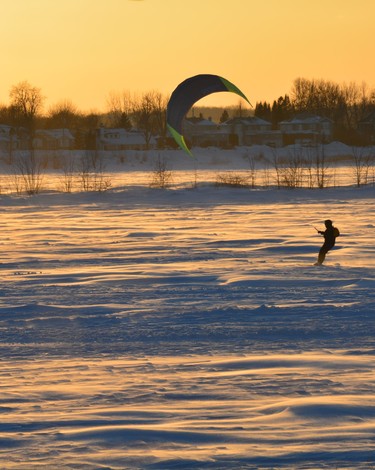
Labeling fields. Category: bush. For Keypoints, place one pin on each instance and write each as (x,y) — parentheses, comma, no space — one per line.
(162,176)
(234,180)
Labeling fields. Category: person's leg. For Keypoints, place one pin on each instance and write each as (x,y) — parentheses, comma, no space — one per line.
(322,254)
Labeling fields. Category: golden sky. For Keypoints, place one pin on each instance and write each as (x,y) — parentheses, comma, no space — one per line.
(82,50)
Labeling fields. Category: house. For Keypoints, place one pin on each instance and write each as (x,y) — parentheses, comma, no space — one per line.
(5,137)
(121,139)
(236,131)
(366,127)
(202,132)
(53,139)
(306,129)
(12,138)
(253,131)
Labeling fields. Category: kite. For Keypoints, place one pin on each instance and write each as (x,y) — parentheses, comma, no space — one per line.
(189,92)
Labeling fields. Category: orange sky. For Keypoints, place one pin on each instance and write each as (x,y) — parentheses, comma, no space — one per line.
(82,50)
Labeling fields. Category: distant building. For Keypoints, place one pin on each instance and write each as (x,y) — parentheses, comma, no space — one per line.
(53,139)
(306,129)
(121,139)
(254,131)
(237,131)
(5,136)
(366,127)
(12,138)
(200,132)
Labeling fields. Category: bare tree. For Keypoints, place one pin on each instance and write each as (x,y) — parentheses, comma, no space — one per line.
(266,178)
(239,111)
(277,167)
(28,173)
(362,161)
(149,114)
(27,102)
(322,97)
(321,167)
(252,170)
(160,109)
(68,173)
(301,93)
(120,107)
(293,172)
(63,114)
(309,159)
(91,172)
(162,175)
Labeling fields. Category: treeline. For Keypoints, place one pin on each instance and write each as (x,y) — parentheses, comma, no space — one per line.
(346,105)
(145,112)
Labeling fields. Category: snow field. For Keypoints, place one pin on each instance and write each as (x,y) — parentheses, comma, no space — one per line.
(187,329)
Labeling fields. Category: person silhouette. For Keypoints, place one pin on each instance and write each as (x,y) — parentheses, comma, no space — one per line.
(330,234)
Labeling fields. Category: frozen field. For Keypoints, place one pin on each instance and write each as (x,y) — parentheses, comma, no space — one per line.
(187,328)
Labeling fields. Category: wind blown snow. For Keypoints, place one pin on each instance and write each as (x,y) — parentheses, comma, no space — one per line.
(187,328)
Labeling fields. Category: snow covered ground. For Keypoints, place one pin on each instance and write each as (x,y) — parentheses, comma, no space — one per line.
(187,328)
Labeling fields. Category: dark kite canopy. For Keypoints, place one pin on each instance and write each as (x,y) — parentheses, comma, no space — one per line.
(189,92)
